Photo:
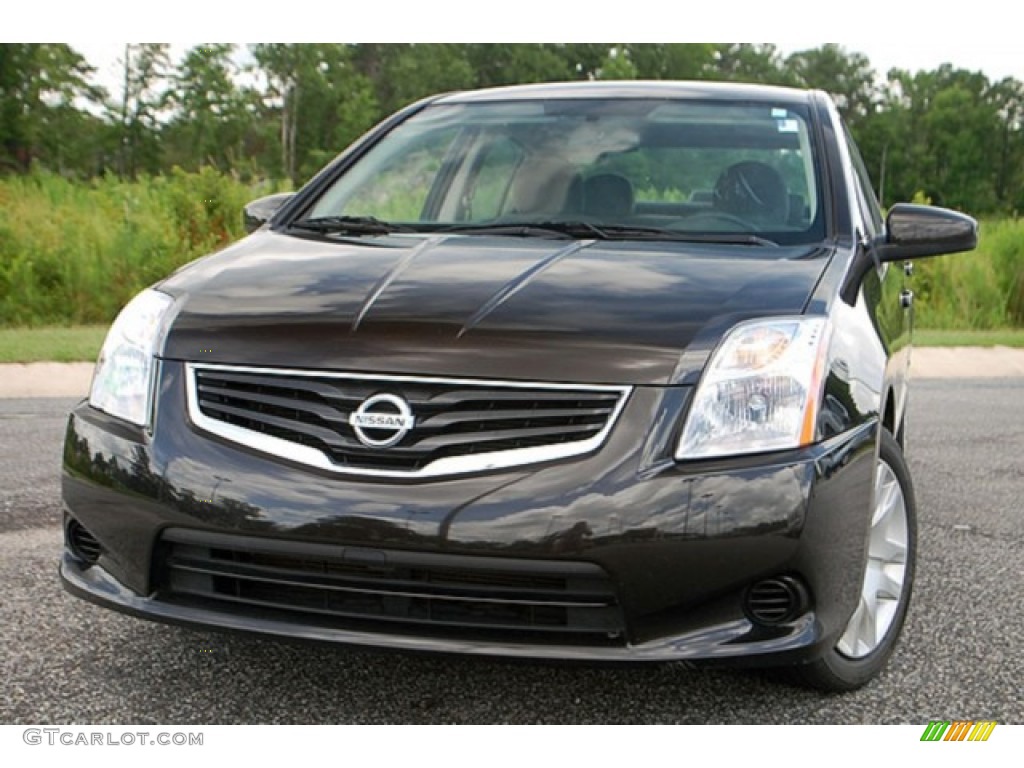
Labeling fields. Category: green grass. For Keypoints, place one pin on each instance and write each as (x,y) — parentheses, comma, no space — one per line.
(1002,338)
(62,345)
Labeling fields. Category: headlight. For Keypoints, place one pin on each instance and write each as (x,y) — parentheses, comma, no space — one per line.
(760,390)
(122,382)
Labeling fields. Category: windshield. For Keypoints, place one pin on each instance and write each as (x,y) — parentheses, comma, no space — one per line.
(679,167)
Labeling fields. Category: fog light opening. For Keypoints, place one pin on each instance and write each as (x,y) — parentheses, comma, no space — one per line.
(776,600)
(82,544)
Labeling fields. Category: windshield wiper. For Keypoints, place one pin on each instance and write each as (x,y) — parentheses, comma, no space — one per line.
(626,232)
(584,229)
(350,225)
(738,238)
(577,229)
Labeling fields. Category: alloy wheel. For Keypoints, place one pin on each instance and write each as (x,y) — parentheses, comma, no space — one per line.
(882,587)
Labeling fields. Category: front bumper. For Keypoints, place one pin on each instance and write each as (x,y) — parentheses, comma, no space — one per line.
(680,544)
(728,640)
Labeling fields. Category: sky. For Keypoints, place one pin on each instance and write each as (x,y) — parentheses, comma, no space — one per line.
(913,36)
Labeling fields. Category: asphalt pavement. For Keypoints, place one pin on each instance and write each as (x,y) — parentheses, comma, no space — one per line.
(961,657)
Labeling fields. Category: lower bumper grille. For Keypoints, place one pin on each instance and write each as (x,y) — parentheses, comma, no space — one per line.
(395,592)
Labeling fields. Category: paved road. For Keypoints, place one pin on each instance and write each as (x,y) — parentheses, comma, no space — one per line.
(962,654)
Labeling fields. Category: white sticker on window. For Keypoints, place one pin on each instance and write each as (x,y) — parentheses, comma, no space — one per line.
(788,126)
(779,112)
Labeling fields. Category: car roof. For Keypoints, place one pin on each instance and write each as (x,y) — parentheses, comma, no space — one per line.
(634,89)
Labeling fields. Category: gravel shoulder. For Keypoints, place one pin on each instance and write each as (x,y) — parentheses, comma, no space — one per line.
(72,379)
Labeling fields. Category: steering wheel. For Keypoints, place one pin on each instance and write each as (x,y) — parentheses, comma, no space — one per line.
(755,189)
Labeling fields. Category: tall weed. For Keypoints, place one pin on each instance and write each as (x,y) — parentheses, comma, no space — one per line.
(980,290)
(74,252)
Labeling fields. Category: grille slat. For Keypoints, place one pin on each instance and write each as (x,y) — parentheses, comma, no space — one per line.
(594,415)
(393,587)
(392,591)
(428,621)
(453,420)
(777,599)
(511,395)
(262,420)
(82,542)
(498,435)
(309,386)
(319,410)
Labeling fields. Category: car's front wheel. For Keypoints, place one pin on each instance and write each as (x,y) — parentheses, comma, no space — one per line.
(872,630)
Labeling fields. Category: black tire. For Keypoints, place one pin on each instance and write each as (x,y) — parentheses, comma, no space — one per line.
(835,671)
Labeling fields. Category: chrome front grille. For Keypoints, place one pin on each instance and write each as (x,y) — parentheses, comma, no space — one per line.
(460,426)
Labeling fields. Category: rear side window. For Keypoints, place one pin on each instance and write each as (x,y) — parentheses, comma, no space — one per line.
(866,197)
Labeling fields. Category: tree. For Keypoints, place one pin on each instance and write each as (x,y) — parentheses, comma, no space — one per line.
(507,63)
(848,77)
(314,88)
(287,68)
(749,62)
(941,128)
(673,61)
(962,126)
(948,133)
(1008,98)
(146,68)
(40,87)
(618,65)
(210,116)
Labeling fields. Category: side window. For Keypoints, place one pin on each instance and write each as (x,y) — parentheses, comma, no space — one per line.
(866,198)
(396,189)
(485,196)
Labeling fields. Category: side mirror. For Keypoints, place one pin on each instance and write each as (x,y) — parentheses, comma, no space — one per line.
(260,211)
(914,231)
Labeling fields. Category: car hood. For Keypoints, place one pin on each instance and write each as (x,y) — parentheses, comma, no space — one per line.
(535,309)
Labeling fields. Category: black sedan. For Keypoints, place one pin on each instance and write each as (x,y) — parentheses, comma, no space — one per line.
(602,371)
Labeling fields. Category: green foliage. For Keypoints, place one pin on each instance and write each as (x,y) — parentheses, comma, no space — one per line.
(283,110)
(849,77)
(618,66)
(40,121)
(981,290)
(73,253)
